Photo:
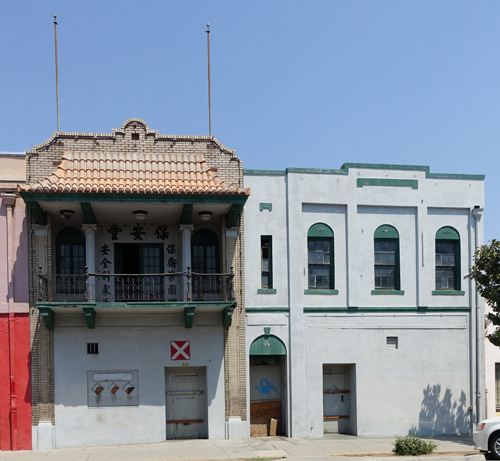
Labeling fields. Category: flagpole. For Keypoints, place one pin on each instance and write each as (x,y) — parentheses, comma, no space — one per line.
(209,99)
(57,75)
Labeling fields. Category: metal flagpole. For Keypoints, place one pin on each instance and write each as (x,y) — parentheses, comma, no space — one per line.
(57,76)
(209,100)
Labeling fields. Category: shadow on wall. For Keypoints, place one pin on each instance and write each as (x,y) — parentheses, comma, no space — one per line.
(441,414)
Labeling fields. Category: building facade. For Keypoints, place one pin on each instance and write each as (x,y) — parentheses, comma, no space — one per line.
(136,288)
(15,391)
(361,318)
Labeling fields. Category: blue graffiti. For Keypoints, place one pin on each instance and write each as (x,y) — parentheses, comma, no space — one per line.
(266,387)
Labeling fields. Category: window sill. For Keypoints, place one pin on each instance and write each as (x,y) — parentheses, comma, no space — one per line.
(447,293)
(266,291)
(319,291)
(388,292)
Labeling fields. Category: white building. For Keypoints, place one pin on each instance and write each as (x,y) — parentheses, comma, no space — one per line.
(361,318)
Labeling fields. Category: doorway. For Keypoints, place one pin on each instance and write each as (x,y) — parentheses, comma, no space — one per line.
(338,398)
(132,260)
(268,386)
(186,403)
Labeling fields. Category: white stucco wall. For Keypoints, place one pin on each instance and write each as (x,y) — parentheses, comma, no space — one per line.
(428,384)
(140,346)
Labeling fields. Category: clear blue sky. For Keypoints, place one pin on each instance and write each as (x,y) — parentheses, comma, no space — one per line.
(294,84)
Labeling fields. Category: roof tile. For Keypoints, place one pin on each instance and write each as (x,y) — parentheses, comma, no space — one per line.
(134,173)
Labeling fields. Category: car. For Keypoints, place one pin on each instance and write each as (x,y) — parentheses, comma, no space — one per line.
(487,436)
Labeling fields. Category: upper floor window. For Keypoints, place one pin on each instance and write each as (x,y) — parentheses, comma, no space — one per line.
(70,251)
(320,257)
(266,261)
(447,259)
(205,252)
(387,258)
(70,264)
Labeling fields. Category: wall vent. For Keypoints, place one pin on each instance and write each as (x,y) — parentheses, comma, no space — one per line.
(93,348)
(392,342)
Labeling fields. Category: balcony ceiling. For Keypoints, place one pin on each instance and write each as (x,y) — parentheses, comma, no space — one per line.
(122,213)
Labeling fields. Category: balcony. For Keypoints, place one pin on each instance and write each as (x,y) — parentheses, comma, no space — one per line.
(133,288)
(173,291)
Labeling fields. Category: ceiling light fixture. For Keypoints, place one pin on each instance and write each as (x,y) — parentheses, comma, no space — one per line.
(140,215)
(205,215)
(67,214)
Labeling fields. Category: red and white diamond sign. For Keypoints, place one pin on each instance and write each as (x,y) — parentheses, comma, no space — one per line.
(180,350)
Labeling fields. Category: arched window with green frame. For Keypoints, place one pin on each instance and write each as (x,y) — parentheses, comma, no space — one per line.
(386,253)
(447,259)
(320,257)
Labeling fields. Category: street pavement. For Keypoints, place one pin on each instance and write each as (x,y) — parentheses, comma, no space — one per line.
(331,448)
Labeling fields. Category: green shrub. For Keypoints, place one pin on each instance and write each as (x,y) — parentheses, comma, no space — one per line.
(410,445)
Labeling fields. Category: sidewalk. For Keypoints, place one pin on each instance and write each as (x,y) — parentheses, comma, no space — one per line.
(332,448)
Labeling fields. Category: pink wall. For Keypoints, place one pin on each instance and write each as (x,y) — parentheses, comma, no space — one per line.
(15,390)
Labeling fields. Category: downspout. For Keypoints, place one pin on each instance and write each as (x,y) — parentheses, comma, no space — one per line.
(10,200)
(477,213)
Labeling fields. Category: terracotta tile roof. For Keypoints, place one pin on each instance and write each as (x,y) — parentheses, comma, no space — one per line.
(134,173)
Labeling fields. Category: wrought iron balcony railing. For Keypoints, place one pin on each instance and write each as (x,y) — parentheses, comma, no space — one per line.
(166,287)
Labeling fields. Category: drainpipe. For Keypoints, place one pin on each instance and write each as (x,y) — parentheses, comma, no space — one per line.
(9,200)
(477,213)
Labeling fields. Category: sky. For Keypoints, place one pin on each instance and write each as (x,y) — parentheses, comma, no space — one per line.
(310,84)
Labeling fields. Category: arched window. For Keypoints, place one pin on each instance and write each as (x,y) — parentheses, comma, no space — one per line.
(70,252)
(387,275)
(320,257)
(205,252)
(447,259)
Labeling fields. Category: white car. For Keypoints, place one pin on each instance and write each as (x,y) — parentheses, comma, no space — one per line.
(487,436)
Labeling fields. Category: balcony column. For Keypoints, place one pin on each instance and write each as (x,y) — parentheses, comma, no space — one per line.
(186,231)
(89,231)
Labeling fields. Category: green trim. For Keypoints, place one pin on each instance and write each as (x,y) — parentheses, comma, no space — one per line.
(264,172)
(133,198)
(267,345)
(315,170)
(321,230)
(455,176)
(267,309)
(135,305)
(48,316)
(312,310)
(388,292)
(188,316)
(265,206)
(344,170)
(382,166)
(361,182)
(386,231)
(227,316)
(266,291)
(89,317)
(233,218)
(88,213)
(36,212)
(447,233)
(187,214)
(447,293)
(319,291)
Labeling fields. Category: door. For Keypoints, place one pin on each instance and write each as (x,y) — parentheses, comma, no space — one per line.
(335,396)
(185,404)
(205,260)
(132,260)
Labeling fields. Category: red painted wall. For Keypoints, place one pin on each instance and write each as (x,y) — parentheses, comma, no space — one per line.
(19,325)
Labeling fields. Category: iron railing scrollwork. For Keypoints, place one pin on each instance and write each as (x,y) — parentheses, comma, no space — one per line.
(164,287)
